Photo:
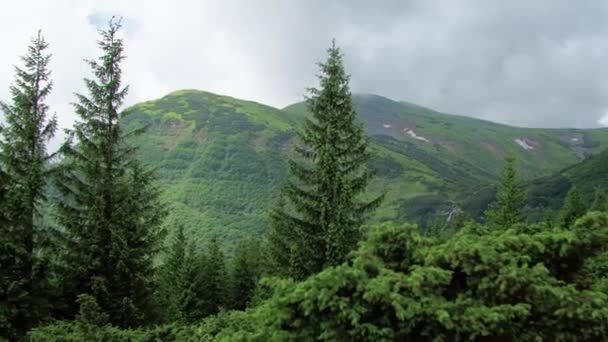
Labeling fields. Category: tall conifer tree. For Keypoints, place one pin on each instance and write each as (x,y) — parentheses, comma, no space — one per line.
(600,202)
(179,275)
(212,280)
(279,240)
(4,182)
(24,159)
(510,198)
(110,209)
(323,214)
(245,269)
(573,207)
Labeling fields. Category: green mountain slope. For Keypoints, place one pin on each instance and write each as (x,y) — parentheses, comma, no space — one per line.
(457,139)
(219,159)
(549,192)
(222,160)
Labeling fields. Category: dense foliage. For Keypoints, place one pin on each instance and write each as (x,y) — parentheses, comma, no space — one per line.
(178,279)
(195,283)
(600,202)
(524,283)
(246,267)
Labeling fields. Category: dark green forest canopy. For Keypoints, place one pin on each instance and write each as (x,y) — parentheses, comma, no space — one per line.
(525,283)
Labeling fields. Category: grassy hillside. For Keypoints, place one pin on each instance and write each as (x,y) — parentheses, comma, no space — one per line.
(218,157)
(457,139)
(550,191)
(222,160)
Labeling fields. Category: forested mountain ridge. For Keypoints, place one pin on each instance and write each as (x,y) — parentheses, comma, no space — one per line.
(233,151)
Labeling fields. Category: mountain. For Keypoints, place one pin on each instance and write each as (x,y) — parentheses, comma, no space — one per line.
(484,144)
(549,192)
(222,160)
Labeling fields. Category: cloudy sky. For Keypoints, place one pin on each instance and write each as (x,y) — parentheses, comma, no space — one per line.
(528,63)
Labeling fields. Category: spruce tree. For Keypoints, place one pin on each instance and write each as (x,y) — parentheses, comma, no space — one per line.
(24,158)
(245,269)
(548,218)
(178,281)
(110,210)
(573,207)
(507,209)
(600,202)
(279,240)
(211,284)
(323,215)
(4,207)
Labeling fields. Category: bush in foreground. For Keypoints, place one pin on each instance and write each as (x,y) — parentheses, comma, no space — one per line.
(523,282)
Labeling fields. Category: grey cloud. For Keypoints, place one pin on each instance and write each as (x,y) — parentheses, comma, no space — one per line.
(529,63)
(534,63)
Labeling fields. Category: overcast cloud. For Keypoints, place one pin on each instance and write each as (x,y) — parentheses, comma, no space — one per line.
(527,63)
